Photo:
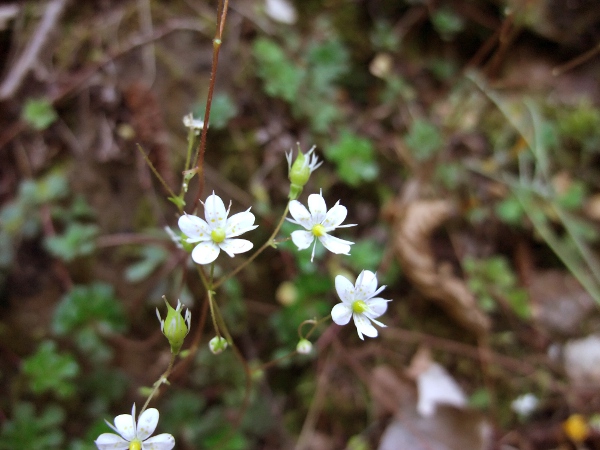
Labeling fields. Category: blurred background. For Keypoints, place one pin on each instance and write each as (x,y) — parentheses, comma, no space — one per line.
(464,139)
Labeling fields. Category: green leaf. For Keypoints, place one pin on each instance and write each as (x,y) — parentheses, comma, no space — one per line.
(152,258)
(222,110)
(39,113)
(50,371)
(76,241)
(95,304)
(424,139)
(354,157)
(282,78)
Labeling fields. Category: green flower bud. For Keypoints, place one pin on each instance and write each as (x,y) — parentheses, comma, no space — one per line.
(300,170)
(217,345)
(175,327)
(304,347)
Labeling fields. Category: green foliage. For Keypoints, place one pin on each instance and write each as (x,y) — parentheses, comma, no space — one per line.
(151,258)
(76,241)
(107,386)
(424,139)
(580,126)
(85,305)
(447,23)
(510,211)
(26,431)
(384,38)
(305,78)
(281,76)
(312,291)
(222,110)
(354,157)
(50,371)
(86,313)
(491,279)
(39,113)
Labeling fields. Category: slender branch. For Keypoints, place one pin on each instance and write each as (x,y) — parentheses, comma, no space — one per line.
(199,160)
(163,379)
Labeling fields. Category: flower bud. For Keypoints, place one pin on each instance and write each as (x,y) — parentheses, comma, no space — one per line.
(300,170)
(217,345)
(304,347)
(175,327)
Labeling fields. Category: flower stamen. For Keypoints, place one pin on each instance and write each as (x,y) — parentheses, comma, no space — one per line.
(318,230)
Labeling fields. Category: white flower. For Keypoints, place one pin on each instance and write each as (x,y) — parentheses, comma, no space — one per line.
(359,302)
(135,436)
(318,223)
(216,233)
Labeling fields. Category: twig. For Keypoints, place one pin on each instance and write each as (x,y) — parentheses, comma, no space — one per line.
(27,60)
(578,60)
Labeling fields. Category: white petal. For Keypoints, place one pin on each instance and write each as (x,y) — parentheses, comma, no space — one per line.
(147,423)
(125,425)
(317,207)
(364,326)
(110,441)
(301,214)
(377,306)
(235,246)
(240,223)
(215,212)
(302,239)
(345,289)
(205,252)
(336,245)
(160,442)
(335,216)
(194,228)
(366,284)
(341,313)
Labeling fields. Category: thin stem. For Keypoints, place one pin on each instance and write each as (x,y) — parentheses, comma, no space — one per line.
(268,243)
(208,285)
(155,172)
(162,379)
(221,18)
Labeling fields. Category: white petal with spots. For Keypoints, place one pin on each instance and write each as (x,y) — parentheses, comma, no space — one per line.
(147,423)
(301,215)
(344,289)
(194,228)
(215,212)
(240,223)
(205,252)
(234,246)
(110,441)
(302,239)
(341,313)
(317,207)
(336,245)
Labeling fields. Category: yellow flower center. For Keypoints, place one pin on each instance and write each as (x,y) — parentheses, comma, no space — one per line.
(359,307)
(218,235)
(136,444)
(318,230)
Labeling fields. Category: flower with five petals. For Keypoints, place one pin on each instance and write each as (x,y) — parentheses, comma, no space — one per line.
(216,233)
(318,223)
(359,302)
(134,435)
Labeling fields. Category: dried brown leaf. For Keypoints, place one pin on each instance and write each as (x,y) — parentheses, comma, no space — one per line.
(412,230)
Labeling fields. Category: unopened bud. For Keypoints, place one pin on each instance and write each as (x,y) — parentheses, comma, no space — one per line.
(217,345)
(300,170)
(175,327)
(304,347)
